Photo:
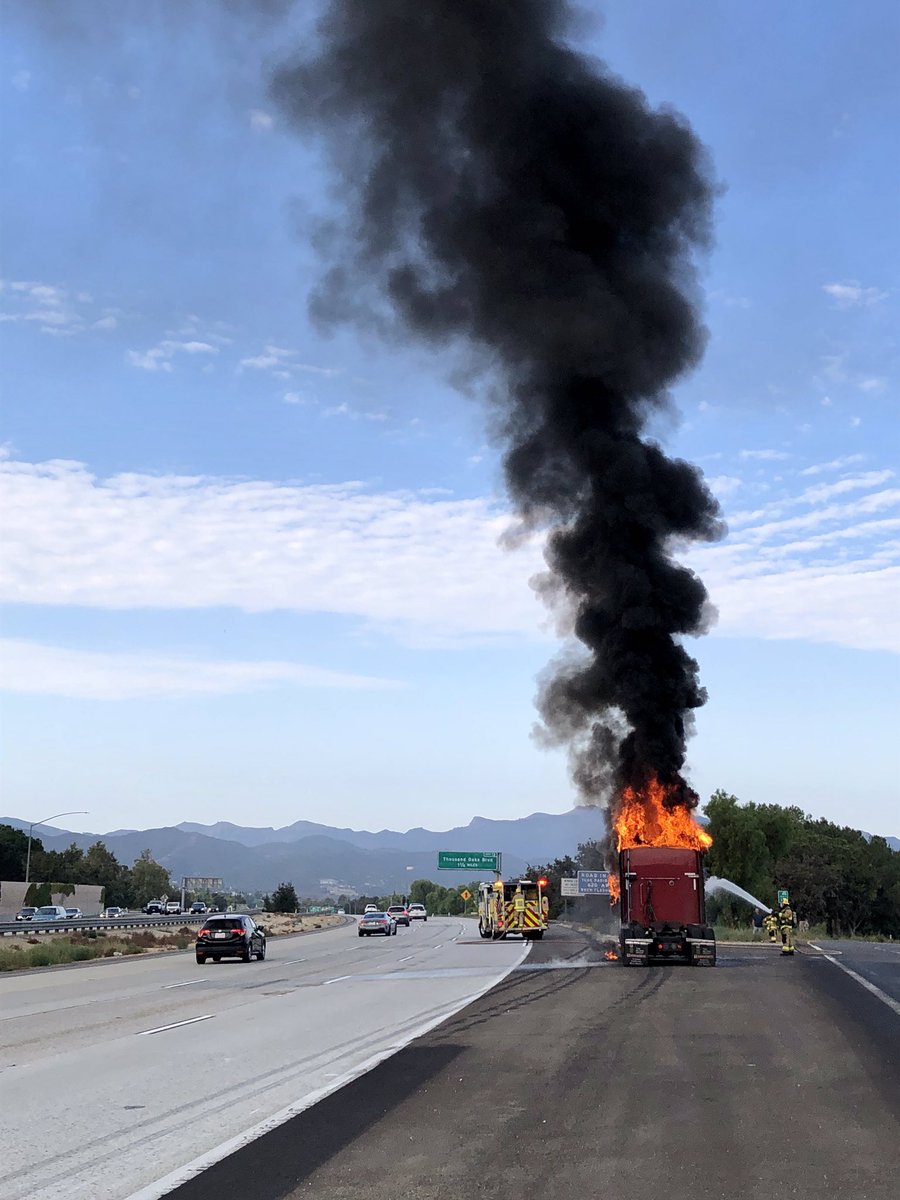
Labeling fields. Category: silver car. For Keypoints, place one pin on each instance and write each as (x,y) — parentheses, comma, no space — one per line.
(376,922)
(50,912)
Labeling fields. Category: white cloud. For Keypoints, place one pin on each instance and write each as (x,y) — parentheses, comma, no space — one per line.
(764,455)
(57,311)
(278,361)
(149,360)
(39,669)
(819,564)
(49,306)
(272,356)
(824,491)
(134,541)
(874,384)
(260,119)
(159,357)
(852,294)
(836,464)
(353,414)
(844,605)
(294,398)
(328,372)
(724,485)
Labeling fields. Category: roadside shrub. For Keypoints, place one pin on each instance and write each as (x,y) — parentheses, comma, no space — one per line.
(89,944)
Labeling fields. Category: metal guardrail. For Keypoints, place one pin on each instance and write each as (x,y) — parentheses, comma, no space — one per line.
(138,921)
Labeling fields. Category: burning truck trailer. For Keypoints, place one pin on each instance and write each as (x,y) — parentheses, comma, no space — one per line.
(660,886)
(663,908)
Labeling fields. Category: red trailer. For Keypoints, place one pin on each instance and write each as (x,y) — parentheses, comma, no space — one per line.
(663,907)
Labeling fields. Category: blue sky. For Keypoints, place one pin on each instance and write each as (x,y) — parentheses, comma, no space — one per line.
(251,572)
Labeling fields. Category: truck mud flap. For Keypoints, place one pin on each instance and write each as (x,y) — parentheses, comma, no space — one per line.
(636,952)
(702,952)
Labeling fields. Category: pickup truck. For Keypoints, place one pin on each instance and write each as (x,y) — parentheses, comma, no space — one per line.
(154,906)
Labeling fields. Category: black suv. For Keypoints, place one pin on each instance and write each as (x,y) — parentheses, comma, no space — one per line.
(230,935)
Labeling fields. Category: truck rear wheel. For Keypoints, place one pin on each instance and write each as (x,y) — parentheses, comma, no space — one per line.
(485,933)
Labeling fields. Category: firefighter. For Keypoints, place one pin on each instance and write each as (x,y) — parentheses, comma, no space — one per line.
(771,924)
(786,925)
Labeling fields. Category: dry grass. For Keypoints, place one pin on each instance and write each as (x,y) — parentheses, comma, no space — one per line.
(52,949)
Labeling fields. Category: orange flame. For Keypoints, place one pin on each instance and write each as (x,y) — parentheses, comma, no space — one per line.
(644,819)
(611,955)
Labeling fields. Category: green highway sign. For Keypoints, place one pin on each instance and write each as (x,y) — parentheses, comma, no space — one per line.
(468,860)
(782,896)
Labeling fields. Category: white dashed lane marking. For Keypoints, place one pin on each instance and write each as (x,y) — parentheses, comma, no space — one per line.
(176,1025)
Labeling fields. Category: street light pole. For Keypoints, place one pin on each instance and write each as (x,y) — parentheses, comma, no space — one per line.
(75,812)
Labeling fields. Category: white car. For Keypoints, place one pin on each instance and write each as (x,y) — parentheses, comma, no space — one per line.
(50,912)
(371,908)
(417,912)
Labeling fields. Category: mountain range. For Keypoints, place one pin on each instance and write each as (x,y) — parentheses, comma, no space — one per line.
(323,859)
(327,860)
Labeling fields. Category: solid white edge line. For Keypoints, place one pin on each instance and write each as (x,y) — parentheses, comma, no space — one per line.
(870,987)
(175,1025)
(337,979)
(187,983)
(154,1191)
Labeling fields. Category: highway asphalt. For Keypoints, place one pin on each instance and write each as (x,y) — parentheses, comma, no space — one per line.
(764,1078)
(115,1074)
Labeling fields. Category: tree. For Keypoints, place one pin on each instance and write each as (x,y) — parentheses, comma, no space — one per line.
(102,867)
(14,852)
(835,875)
(739,851)
(149,879)
(284,899)
(419,891)
(63,865)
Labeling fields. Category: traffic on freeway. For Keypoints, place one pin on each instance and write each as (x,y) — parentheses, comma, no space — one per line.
(147,1062)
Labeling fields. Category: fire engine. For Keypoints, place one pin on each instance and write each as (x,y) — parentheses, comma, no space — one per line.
(513,906)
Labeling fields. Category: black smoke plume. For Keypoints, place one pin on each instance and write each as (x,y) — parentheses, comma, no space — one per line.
(500,189)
